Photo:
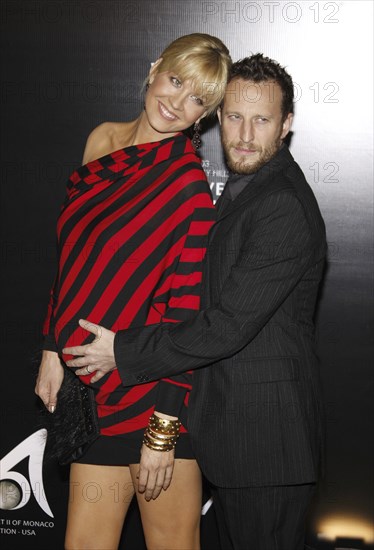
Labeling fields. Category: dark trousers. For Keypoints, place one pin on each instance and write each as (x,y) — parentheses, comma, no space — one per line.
(262,518)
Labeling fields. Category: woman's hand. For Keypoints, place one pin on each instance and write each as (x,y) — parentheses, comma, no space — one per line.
(50,377)
(156,468)
(155,472)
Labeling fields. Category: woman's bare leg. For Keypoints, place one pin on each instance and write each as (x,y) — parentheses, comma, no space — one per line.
(98,502)
(172,520)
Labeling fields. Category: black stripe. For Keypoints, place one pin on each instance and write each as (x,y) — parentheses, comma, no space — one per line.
(183,290)
(179,313)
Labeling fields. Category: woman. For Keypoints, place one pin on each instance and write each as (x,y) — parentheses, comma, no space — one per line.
(132,236)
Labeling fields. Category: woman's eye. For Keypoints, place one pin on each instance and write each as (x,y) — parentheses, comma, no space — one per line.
(197,100)
(175,81)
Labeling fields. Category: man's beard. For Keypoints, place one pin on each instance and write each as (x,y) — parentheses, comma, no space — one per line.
(243,166)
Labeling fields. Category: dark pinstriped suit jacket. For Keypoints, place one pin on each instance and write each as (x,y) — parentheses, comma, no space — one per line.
(255,414)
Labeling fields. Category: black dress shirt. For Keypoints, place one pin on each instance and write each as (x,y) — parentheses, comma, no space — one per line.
(234,186)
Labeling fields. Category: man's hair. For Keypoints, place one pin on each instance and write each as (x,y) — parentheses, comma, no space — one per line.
(258,68)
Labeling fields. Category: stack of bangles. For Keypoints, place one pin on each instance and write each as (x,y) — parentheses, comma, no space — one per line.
(161,434)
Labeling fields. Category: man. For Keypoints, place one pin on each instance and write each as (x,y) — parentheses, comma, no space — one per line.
(255,412)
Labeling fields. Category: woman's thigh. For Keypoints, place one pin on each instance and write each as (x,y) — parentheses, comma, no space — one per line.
(172,520)
(98,502)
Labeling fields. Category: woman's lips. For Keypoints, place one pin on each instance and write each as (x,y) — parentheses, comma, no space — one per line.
(165,113)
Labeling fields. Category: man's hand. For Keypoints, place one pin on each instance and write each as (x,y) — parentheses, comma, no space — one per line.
(97,357)
(155,472)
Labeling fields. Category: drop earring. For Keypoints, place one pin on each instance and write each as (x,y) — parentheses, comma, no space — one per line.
(196,141)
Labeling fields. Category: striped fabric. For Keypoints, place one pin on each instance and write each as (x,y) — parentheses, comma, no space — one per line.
(131,240)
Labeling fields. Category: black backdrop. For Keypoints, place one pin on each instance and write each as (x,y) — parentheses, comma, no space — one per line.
(69,65)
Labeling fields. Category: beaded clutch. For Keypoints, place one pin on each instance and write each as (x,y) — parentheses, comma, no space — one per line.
(74,424)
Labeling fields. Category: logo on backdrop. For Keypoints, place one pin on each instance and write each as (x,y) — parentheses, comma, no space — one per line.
(216,175)
(15,488)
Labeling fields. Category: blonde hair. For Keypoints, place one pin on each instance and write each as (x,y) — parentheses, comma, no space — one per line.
(204,60)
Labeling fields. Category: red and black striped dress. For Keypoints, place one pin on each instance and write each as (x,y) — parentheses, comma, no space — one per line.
(131,240)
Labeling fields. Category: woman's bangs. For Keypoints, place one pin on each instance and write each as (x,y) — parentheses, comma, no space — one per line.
(206,83)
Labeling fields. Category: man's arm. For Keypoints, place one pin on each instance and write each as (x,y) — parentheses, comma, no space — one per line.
(275,255)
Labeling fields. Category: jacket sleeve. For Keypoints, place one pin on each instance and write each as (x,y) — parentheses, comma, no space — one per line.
(275,253)
(49,342)
(184,297)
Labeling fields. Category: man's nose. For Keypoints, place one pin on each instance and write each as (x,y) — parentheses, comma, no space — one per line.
(246,133)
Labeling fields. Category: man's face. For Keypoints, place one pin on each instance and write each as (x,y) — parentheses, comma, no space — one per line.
(252,127)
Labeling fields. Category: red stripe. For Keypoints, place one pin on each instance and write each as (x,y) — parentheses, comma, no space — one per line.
(200,228)
(193,255)
(136,393)
(163,153)
(174,383)
(128,426)
(92,178)
(187,302)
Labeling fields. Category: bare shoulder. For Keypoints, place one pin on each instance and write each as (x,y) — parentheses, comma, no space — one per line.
(101,141)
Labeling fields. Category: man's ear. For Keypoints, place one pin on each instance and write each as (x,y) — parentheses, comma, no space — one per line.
(219,115)
(286,127)
(153,71)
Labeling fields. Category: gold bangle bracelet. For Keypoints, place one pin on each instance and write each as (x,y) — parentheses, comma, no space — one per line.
(158,431)
(163,448)
(164,426)
(159,435)
(159,441)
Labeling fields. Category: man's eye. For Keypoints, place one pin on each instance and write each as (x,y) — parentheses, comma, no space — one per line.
(262,120)
(233,117)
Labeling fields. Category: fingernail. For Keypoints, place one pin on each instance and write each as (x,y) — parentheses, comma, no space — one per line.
(52,408)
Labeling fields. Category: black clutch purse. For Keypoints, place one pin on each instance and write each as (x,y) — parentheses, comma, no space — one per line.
(74,424)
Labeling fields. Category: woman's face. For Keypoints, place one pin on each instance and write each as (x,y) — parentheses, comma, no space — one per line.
(171,104)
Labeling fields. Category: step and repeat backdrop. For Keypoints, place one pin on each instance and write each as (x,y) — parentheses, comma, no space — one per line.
(69,65)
